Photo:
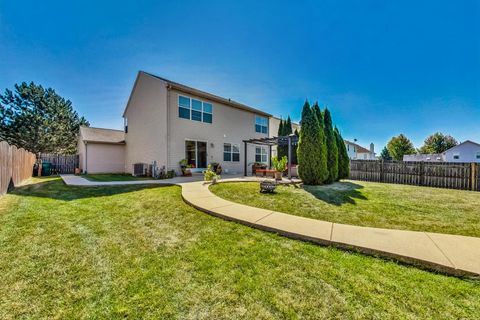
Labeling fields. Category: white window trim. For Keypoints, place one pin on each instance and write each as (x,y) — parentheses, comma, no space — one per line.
(263,152)
(191,109)
(261,125)
(231,151)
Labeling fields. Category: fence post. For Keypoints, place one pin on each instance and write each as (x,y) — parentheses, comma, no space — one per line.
(473,176)
(422,173)
(381,170)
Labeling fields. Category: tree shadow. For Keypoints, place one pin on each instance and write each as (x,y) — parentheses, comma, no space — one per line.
(337,193)
(58,190)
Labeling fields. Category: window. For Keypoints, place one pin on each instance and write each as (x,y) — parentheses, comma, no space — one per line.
(231,152)
(261,124)
(478,155)
(260,154)
(456,156)
(194,109)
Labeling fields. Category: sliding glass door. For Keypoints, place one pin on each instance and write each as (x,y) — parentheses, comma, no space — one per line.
(196,153)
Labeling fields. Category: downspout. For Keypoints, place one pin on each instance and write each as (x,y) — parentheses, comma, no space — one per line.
(167,165)
(86,157)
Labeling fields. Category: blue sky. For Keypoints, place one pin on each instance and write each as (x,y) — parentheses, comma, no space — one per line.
(382,67)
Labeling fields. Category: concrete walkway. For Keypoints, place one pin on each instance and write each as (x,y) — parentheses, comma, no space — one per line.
(452,254)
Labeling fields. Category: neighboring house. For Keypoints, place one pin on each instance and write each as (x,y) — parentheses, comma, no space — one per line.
(166,122)
(436,157)
(357,152)
(101,150)
(467,151)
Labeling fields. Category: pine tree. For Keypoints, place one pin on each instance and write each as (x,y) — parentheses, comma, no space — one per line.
(343,160)
(332,150)
(310,164)
(385,155)
(321,141)
(39,120)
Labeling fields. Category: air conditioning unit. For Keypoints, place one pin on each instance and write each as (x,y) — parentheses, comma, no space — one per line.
(140,169)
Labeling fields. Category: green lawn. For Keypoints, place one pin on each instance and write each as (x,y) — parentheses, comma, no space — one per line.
(113,177)
(141,252)
(369,204)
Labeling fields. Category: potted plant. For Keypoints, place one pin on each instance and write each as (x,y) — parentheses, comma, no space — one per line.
(216,167)
(280,165)
(185,168)
(210,175)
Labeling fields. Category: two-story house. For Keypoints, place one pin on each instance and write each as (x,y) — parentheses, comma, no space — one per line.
(166,122)
(357,152)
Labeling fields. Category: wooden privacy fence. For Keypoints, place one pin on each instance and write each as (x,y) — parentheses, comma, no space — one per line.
(16,165)
(464,176)
(61,163)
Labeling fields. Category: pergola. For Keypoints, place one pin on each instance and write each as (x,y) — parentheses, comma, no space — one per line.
(274,141)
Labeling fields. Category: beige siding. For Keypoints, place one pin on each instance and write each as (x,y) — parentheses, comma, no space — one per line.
(146,140)
(230,125)
(105,158)
(81,152)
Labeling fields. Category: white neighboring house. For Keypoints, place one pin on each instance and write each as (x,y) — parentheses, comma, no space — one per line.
(467,151)
(357,152)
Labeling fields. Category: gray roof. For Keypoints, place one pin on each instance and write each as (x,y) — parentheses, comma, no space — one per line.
(102,135)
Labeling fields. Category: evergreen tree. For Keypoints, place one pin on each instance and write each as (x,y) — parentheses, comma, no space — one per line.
(310,164)
(287,127)
(400,146)
(322,141)
(295,148)
(385,155)
(39,120)
(343,160)
(281,150)
(332,150)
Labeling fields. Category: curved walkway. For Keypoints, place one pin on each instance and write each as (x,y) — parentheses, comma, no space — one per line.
(453,254)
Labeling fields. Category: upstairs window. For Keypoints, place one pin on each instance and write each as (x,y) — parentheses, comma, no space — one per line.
(261,124)
(478,155)
(231,152)
(456,156)
(196,110)
(260,154)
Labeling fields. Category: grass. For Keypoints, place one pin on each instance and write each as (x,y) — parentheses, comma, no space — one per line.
(141,252)
(369,204)
(113,177)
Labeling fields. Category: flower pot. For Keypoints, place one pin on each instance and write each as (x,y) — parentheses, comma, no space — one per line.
(278,175)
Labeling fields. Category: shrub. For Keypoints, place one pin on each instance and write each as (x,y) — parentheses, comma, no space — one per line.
(279,165)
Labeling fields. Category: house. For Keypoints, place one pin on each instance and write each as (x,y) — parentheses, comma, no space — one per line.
(101,150)
(357,152)
(166,122)
(434,157)
(467,151)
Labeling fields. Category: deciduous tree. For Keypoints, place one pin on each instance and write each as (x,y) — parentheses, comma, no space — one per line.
(437,143)
(400,146)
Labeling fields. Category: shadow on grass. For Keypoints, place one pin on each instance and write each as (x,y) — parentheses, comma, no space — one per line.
(337,193)
(56,189)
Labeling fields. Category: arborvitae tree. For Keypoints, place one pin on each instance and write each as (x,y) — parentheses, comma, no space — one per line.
(287,127)
(332,150)
(281,151)
(385,155)
(295,147)
(322,141)
(343,160)
(309,151)
(39,120)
